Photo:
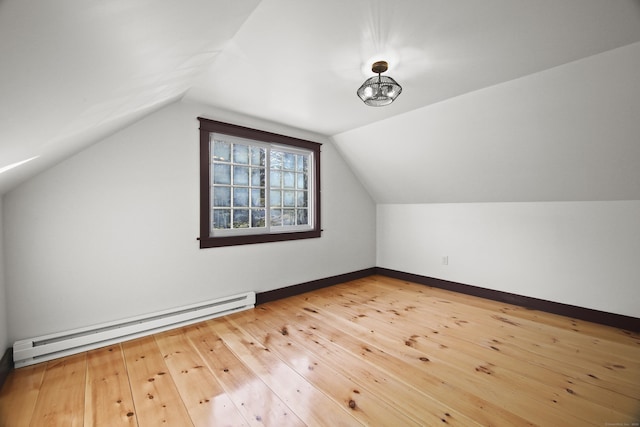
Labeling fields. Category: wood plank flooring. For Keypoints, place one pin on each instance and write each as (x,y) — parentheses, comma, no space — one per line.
(375,351)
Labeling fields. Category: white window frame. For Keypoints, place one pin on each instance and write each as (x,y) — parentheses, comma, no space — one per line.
(268,228)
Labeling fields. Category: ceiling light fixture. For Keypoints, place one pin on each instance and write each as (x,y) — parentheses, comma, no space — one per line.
(381,90)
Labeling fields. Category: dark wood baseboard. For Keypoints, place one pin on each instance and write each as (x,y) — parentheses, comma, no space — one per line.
(610,319)
(6,365)
(301,288)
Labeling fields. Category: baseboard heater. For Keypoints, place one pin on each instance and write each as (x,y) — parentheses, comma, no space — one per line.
(35,350)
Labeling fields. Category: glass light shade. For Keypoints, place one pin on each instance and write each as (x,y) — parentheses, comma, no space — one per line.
(379,90)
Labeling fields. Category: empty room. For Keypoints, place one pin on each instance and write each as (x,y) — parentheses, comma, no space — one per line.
(320,213)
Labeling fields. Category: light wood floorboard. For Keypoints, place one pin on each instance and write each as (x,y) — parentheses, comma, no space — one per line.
(375,351)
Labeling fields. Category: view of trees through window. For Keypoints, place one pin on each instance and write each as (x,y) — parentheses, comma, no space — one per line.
(244,195)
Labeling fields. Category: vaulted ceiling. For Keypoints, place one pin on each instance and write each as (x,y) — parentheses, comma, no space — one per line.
(74,71)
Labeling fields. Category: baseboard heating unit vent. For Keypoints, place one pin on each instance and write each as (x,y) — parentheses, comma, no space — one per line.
(40,349)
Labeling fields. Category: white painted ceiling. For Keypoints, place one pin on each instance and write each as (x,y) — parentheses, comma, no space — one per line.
(74,71)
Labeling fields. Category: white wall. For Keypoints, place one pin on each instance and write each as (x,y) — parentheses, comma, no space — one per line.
(579,253)
(111,232)
(4,329)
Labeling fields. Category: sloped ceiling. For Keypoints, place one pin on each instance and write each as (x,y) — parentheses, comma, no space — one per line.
(73,71)
(570,133)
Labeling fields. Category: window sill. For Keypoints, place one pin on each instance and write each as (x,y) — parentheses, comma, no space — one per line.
(216,242)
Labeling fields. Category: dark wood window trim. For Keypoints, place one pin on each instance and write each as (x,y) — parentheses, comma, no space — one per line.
(208,126)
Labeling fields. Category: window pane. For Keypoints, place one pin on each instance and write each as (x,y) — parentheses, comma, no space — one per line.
(221,174)
(221,196)
(240,218)
(257,177)
(300,164)
(301,199)
(258,156)
(289,161)
(288,179)
(241,197)
(221,151)
(221,218)
(288,217)
(276,217)
(303,217)
(240,175)
(289,198)
(275,177)
(275,198)
(302,181)
(240,154)
(257,197)
(276,159)
(257,218)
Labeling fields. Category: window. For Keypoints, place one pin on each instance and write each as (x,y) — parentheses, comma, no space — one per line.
(256,186)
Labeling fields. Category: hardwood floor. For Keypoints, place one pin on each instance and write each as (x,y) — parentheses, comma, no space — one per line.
(375,351)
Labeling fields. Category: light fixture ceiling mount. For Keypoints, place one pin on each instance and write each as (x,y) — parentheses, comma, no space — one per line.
(379,67)
(379,90)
